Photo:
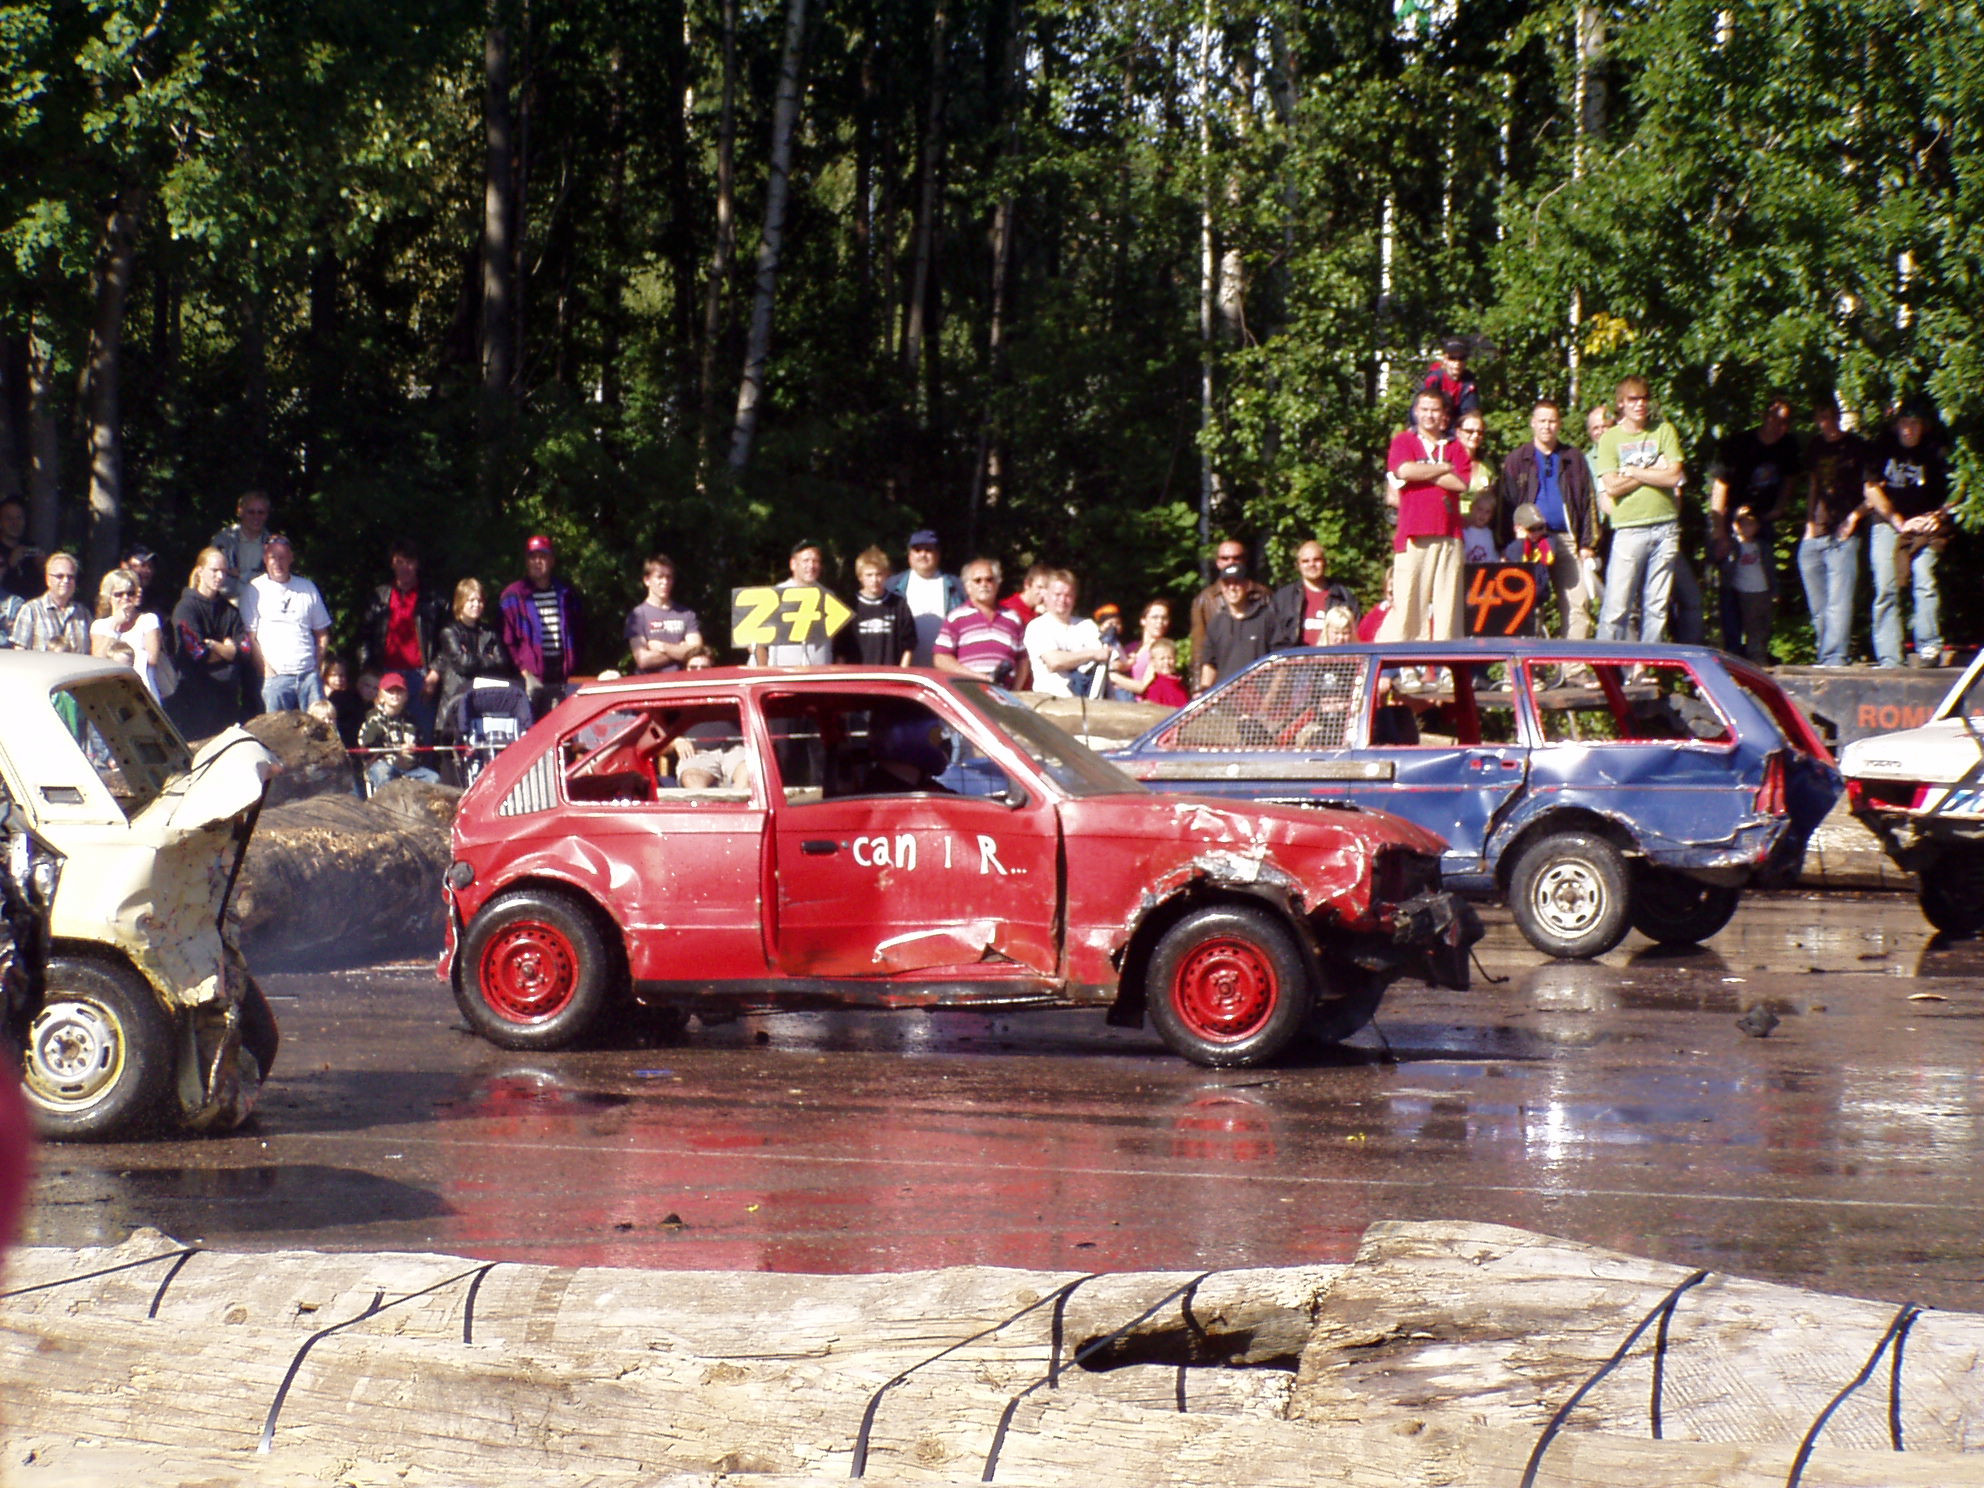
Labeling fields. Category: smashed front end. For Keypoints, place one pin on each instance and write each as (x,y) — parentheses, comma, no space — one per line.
(163,897)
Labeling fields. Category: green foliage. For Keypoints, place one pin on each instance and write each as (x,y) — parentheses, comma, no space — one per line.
(1782,196)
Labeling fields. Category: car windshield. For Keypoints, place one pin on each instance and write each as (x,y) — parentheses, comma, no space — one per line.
(1065,760)
(124,736)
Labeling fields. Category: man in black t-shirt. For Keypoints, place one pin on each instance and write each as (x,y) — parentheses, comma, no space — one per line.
(1241,631)
(1908,486)
(1757,468)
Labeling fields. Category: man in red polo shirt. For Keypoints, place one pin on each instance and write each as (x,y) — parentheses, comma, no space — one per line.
(1430,472)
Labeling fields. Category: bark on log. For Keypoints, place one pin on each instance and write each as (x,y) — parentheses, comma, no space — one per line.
(622,1377)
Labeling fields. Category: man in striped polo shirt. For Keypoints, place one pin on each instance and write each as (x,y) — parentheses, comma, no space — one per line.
(978,637)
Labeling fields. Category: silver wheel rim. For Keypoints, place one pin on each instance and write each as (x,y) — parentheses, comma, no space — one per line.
(1569,898)
(75,1054)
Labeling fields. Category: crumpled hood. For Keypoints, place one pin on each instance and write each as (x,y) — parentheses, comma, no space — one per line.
(227,777)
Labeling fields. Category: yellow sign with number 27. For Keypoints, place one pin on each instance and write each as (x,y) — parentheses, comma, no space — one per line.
(797,615)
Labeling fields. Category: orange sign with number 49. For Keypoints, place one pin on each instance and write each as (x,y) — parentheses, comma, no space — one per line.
(1501,599)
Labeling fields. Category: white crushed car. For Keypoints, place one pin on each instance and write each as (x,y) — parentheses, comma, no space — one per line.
(1921,791)
(148,1016)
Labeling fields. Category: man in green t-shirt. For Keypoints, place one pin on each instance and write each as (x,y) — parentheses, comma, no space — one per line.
(1640,477)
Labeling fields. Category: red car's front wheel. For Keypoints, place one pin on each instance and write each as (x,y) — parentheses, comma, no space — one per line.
(1228,986)
(536,970)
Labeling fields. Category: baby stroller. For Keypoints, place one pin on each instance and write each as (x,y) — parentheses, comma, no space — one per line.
(492,714)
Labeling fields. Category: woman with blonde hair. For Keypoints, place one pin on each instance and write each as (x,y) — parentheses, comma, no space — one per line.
(212,645)
(467,647)
(118,618)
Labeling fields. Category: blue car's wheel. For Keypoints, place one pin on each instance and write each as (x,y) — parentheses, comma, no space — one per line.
(1569,895)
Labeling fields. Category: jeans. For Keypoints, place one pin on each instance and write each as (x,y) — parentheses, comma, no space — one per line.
(1830,567)
(1884,546)
(384,769)
(291,691)
(1642,558)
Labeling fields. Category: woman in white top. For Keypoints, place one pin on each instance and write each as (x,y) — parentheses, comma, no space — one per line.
(120,619)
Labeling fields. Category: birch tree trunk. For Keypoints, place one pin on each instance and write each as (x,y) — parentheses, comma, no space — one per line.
(44,444)
(915,323)
(614,286)
(725,247)
(102,372)
(498,260)
(757,350)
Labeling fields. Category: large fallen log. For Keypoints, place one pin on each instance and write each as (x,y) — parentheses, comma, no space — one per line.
(1439,1357)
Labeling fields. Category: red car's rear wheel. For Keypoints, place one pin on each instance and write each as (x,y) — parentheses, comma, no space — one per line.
(1228,986)
(536,970)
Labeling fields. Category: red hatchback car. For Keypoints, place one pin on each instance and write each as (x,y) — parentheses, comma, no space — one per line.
(744,841)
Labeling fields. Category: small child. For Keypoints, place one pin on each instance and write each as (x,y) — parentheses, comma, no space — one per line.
(387,727)
(1339,626)
(348,710)
(1531,544)
(883,631)
(1747,571)
(121,651)
(1478,536)
(1164,685)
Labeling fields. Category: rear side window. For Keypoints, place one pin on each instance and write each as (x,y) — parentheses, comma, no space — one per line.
(1292,702)
(1623,704)
(125,737)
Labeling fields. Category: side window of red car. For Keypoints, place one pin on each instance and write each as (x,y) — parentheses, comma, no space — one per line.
(654,753)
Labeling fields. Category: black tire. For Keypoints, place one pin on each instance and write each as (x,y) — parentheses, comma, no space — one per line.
(259,1034)
(1952,892)
(536,972)
(1228,987)
(1335,1019)
(1569,895)
(99,1056)
(1674,909)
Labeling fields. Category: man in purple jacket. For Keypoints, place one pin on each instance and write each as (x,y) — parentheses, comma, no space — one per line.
(543,625)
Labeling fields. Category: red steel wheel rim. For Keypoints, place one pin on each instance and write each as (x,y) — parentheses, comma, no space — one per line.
(529,972)
(1226,989)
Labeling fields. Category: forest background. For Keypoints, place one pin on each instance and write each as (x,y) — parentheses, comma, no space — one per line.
(1064,279)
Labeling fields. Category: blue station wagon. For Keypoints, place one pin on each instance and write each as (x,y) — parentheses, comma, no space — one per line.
(1596,786)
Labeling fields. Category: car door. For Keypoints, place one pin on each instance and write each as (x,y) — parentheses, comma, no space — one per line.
(682,867)
(1647,746)
(1443,747)
(1277,732)
(952,875)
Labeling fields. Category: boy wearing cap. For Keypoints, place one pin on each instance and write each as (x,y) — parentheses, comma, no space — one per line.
(543,625)
(388,730)
(286,616)
(932,593)
(1241,630)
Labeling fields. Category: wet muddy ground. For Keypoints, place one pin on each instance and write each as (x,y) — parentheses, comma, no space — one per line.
(1613,1102)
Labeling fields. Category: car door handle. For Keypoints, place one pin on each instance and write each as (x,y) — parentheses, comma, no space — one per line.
(818,849)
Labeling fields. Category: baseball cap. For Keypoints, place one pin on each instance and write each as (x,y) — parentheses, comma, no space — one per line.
(1233,571)
(270,539)
(1108,612)
(538,543)
(802,545)
(392,682)
(923,537)
(1527,516)
(139,554)
(1455,346)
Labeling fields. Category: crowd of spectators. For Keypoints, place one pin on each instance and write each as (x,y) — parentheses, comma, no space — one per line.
(1607,526)
(1600,528)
